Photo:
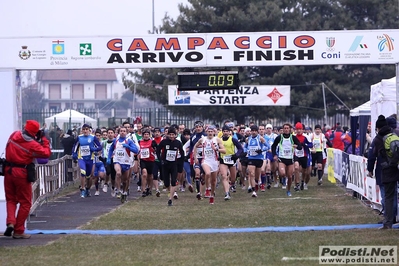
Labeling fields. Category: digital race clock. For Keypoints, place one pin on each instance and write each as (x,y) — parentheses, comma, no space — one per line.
(210,80)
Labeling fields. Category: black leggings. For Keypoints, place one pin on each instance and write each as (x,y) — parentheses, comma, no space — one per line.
(169,173)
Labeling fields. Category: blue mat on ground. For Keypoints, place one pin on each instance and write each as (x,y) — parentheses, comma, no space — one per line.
(210,230)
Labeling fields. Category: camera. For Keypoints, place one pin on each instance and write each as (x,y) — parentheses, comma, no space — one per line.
(39,134)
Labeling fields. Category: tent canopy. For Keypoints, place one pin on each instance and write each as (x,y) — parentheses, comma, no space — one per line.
(361,110)
(77,119)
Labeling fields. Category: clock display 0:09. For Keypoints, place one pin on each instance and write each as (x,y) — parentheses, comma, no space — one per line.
(222,80)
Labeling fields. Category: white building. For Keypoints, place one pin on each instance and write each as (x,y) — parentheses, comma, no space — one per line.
(78,89)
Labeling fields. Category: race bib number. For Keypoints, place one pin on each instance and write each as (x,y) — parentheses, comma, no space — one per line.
(317,144)
(208,152)
(300,153)
(171,155)
(287,152)
(252,151)
(227,159)
(85,150)
(145,153)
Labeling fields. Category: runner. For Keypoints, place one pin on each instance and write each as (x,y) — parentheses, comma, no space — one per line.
(146,157)
(211,146)
(167,153)
(123,148)
(302,159)
(228,160)
(286,143)
(83,152)
(255,146)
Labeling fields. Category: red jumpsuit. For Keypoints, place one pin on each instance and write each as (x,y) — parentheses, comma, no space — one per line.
(21,150)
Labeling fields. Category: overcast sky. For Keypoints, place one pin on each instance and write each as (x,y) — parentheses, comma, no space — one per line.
(31,18)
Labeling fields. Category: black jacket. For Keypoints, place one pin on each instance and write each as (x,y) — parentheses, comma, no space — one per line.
(390,173)
(67,142)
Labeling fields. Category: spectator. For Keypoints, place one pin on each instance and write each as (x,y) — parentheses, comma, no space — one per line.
(336,139)
(67,142)
(21,150)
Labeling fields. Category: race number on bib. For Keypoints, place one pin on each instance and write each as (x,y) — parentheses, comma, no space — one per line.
(85,150)
(171,155)
(145,153)
(227,159)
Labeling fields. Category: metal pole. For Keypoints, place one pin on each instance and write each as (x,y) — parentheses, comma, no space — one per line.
(70,101)
(134,101)
(397,90)
(153,17)
(325,106)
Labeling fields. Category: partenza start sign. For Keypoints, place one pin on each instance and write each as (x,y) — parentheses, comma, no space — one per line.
(202,50)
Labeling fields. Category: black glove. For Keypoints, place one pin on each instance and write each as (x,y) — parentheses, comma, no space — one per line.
(234,157)
(258,151)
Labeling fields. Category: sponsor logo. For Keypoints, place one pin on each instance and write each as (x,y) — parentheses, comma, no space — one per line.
(24,54)
(386,42)
(329,54)
(275,95)
(330,41)
(58,47)
(85,49)
(357,43)
(182,97)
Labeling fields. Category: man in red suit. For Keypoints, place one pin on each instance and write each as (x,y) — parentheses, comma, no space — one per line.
(23,147)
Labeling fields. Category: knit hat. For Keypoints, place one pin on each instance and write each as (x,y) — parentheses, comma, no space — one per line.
(381,121)
(391,121)
(32,127)
(298,125)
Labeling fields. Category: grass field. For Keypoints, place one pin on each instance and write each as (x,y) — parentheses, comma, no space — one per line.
(320,205)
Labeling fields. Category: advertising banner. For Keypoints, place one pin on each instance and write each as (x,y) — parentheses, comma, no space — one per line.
(195,50)
(249,95)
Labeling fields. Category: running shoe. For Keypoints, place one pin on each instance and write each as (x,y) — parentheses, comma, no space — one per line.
(320,182)
(207,193)
(170,203)
(276,185)
(158,193)
(97,193)
(175,196)
(144,194)
(82,193)
(227,196)
(105,188)
(88,193)
(190,188)
(289,193)
(262,188)
(305,186)
(268,186)
(211,200)
(296,188)
(138,189)
(199,197)
(250,189)
(118,195)
(302,185)
(113,193)
(254,195)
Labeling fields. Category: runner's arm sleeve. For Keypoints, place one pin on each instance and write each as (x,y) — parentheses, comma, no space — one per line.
(275,143)
(297,143)
(238,146)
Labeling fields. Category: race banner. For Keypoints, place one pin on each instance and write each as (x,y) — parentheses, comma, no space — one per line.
(197,50)
(357,174)
(245,95)
(330,166)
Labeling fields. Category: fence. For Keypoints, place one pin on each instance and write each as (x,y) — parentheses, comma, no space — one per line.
(51,178)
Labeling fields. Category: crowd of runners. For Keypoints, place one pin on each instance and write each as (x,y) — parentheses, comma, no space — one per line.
(174,158)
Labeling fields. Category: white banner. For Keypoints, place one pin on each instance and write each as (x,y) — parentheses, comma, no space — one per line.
(249,95)
(196,50)
(357,174)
